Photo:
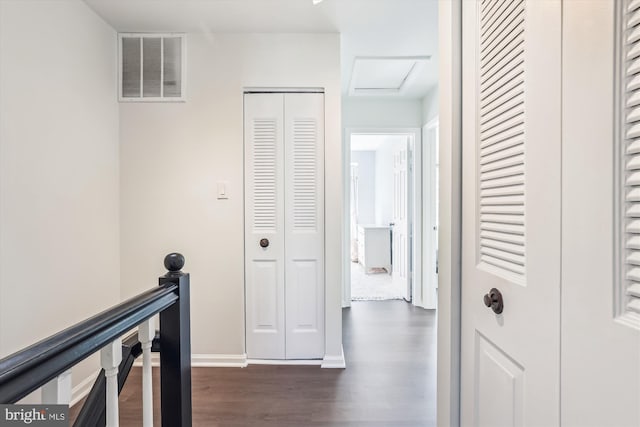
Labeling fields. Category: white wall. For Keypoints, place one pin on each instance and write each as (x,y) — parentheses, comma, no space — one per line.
(59,232)
(173,154)
(366,161)
(374,113)
(430,105)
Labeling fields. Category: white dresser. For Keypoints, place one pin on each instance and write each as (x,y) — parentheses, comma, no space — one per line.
(374,247)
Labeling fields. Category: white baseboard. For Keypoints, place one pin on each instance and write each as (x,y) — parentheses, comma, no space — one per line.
(206,360)
(303,362)
(334,362)
(219,360)
(241,361)
(83,388)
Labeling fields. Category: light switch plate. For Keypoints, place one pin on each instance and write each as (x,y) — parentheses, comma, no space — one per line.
(222,190)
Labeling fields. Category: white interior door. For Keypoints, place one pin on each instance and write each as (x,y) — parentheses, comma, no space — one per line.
(284,225)
(264,226)
(510,362)
(304,225)
(400,228)
(600,220)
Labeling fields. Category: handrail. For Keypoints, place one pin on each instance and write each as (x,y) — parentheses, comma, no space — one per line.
(33,367)
(28,369)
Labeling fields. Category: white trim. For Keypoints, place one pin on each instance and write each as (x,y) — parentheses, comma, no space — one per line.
(415,225)
(334,362)
(219,360)
(449,233)
(419,64)
(346,215)
(258,89)
(415,279)
(241,361)
(278,362)
(83,388)
(206,360)
(429,296)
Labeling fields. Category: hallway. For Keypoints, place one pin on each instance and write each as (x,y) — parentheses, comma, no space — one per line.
(389,381)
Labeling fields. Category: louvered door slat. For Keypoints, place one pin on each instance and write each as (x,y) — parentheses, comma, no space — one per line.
(503,191)
(489,8)
(489,22)
(631,162)
(304,174)
(264,177)
(501,157)
(491,99)
(503,237)
(503,228)
(503,163)
(500,109)
(508,181)
(506,46)
(506,27)
(496,219)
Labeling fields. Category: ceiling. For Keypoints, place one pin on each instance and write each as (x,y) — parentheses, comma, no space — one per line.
(369,28)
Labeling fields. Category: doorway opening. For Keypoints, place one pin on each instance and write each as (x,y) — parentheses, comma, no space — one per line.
(380,219)
(391,185)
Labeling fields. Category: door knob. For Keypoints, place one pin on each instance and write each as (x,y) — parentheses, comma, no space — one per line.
(264,243)
(494,300)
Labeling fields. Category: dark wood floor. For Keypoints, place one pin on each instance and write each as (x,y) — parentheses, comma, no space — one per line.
(389,380)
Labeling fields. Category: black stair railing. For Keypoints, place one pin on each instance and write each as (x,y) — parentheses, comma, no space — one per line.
(31,368)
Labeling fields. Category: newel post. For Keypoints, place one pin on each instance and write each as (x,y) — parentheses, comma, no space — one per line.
(175,349)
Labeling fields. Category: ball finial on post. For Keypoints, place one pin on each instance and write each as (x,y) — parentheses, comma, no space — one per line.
(174,262)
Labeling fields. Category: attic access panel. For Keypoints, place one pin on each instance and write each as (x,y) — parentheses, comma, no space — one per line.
(384,75)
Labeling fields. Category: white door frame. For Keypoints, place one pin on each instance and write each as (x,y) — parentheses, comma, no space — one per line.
(416,200)
(429,193)
(450,212)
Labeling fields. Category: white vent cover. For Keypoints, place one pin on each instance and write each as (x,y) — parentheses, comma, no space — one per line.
(501,137)
(151,67)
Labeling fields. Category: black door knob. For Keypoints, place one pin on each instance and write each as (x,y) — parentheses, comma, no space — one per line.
(494,300)
(264,243)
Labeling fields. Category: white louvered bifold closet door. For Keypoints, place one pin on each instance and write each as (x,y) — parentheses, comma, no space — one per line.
(284,203)
(632,155)
(264,219)
(501,121)
(304,224)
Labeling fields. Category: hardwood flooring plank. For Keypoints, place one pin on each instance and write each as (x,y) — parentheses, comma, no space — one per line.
(390,380)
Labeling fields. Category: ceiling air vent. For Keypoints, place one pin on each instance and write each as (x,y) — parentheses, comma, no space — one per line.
(151,67)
